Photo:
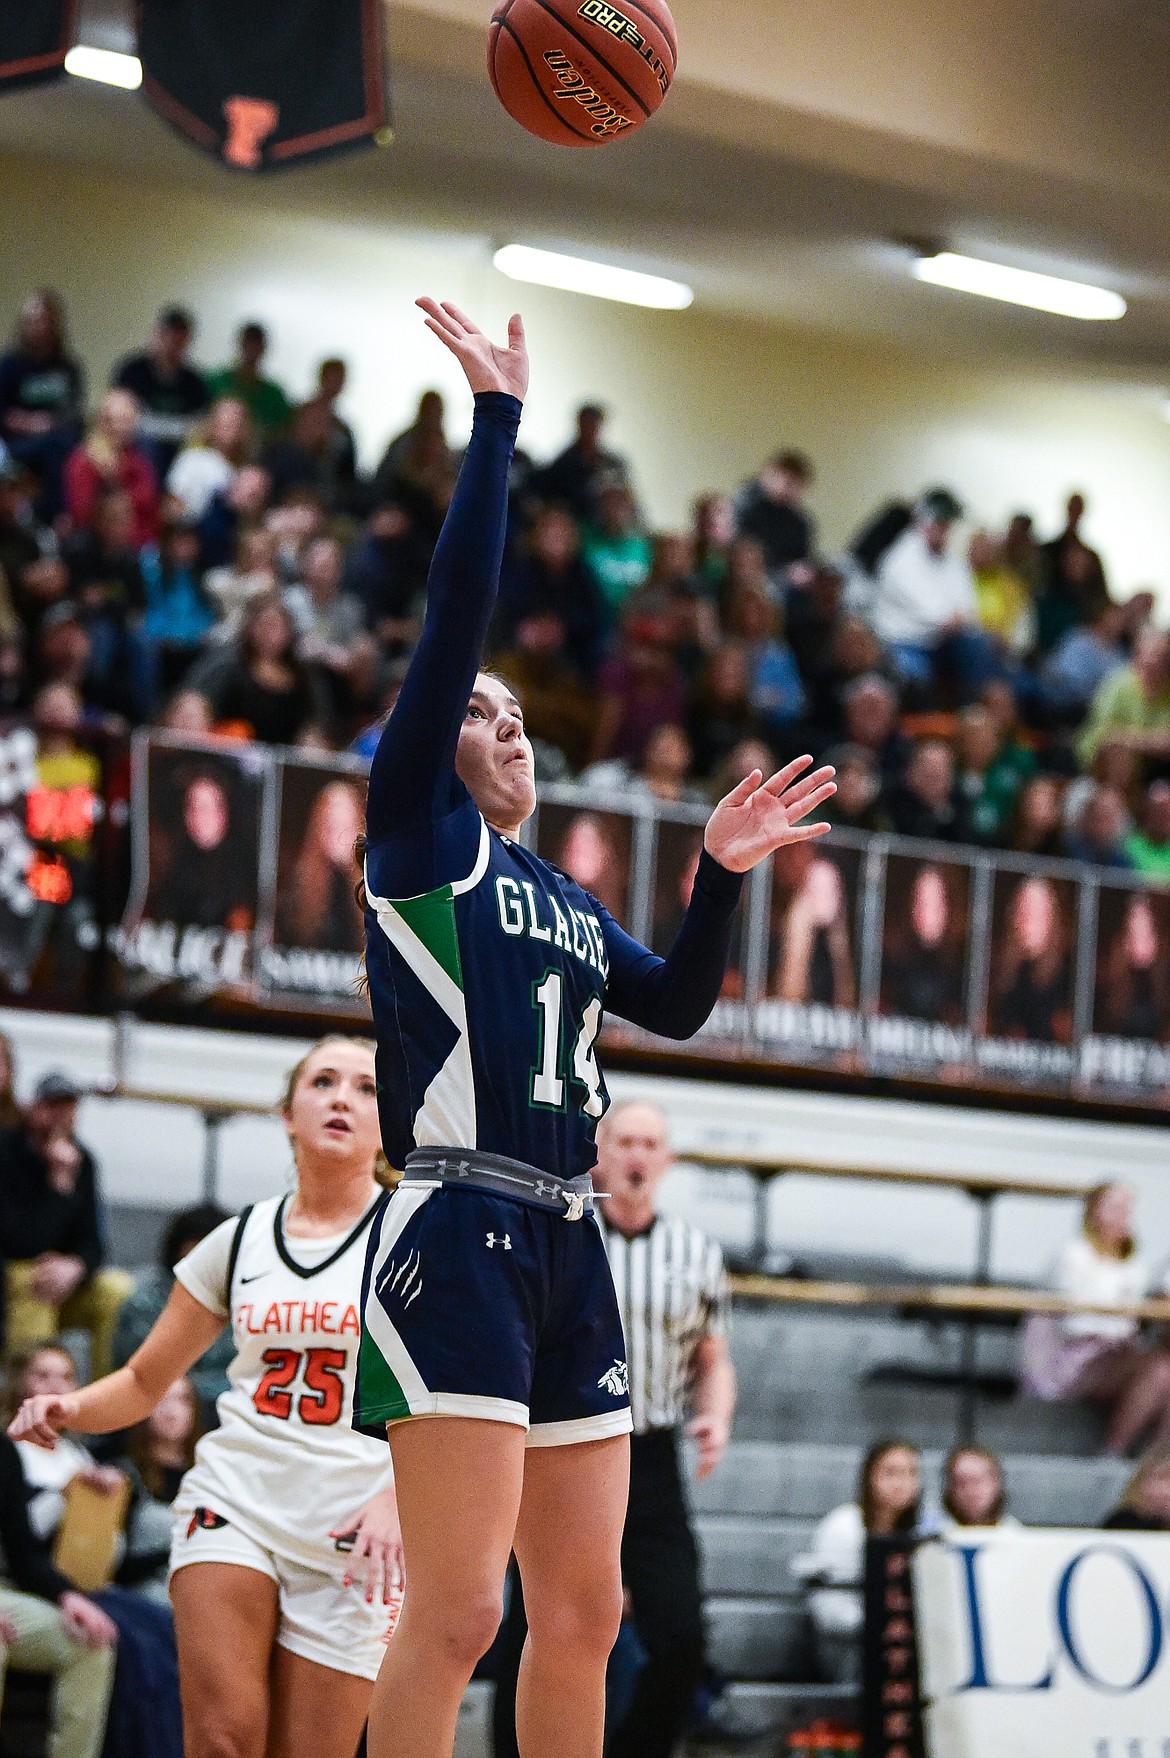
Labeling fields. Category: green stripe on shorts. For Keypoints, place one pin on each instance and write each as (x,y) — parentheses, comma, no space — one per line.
(380,1398)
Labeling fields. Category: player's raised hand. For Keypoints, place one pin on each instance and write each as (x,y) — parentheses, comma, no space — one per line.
(759,816)
(41,1419)
(488,367)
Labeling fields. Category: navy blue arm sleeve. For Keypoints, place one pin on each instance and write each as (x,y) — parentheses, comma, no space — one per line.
(673,996)
(412,781)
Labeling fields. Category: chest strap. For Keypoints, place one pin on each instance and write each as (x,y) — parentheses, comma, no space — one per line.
(468,1169)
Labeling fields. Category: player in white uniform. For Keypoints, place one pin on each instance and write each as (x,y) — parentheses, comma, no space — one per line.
(286,1503)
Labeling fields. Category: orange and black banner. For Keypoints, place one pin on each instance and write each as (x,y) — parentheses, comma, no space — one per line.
(35,37)
(262,83)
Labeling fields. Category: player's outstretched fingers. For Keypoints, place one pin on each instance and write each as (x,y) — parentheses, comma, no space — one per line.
(744,789)
(784,778)
(796,787)
(461,318)
(798,809)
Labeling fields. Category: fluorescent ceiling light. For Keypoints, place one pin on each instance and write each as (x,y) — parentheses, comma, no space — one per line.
(574,274)
(105,65)
(993,280)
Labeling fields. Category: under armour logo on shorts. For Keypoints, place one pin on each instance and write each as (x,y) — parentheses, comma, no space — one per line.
(493,1241)
(616,1380)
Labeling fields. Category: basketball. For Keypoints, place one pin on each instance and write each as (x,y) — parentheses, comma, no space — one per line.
(582,72)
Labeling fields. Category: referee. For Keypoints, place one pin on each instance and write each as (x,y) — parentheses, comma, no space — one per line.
(672,1291)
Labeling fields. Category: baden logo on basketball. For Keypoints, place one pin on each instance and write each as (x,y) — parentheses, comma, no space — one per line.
(606,119)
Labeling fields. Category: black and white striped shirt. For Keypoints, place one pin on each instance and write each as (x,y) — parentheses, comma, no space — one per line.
(672,1292)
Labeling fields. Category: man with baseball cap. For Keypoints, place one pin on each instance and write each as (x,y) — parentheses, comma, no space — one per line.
(50,1233)
(924,606)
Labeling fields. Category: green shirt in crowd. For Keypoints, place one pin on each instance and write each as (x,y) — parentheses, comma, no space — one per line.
(1150,858)
(1122,706)
(618,564)
(267,404)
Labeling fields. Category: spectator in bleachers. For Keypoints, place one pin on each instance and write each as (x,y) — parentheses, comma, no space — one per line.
(190,713)
(1073,589)
(47,1626)
(858,802)
(232,512)
(236,586)
(1098,832)
(50,1227)
(1079,662)
(1131,708)
(179,613)
(990,775)
(640,688)
(42,395)
(1145,1501)
(1005,586)
(171,395)
(870,719)
(616,550)
(924,802)
(974,1493)
(1036,826)
(889,1500)
(713,535)
(338,453)
(1100,1356)
(667,762)
(924,607)
(579,476)
(331,631)
(775,689)
(205,467)
(144,1717)
(426,435)
(559,709)
(771,508)
(262,686)
(1148,848)
(265,400)
(110,458)
(159,1450)
(387,569)
(549,579)
(722,711)
(150,1293)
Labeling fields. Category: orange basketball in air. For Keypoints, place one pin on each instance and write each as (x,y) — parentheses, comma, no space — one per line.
(581,72)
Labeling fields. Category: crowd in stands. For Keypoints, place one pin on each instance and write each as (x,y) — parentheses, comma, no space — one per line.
(199,549)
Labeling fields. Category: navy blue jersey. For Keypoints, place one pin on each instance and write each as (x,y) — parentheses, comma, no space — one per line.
(488,967)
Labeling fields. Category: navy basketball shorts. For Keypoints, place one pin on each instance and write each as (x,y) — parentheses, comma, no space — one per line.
(483,1306)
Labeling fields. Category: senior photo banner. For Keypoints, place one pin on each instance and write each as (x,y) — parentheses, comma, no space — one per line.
(1044,1644)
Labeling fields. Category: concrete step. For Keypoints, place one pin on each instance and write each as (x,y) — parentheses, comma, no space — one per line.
(748,1556)
(759,1638)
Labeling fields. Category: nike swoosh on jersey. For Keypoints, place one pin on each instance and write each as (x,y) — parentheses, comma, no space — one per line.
(258,1277)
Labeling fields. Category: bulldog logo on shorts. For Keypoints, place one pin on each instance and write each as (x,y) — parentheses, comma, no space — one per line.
(205,1520)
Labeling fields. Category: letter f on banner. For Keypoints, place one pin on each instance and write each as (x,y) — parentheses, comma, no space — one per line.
(981,1679)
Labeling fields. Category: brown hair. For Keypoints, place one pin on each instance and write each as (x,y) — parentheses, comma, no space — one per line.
(989,1458)
(1089,1226)
(9,1109)
(908,1519)
(312,869)
(138,1448)
(384,1173)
